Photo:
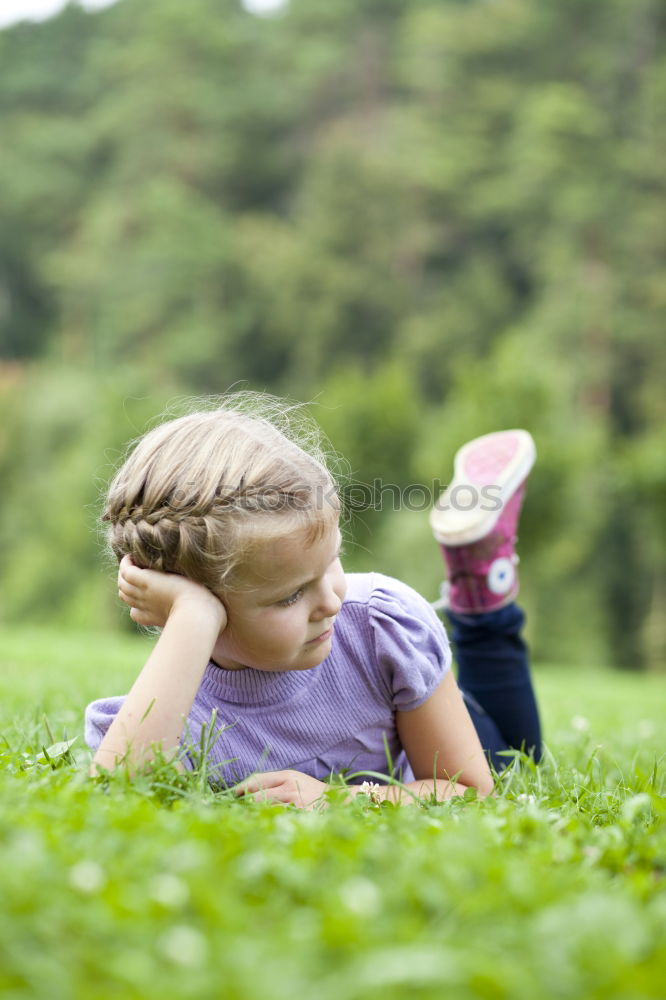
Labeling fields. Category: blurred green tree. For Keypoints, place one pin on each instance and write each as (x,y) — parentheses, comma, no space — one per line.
(433,217)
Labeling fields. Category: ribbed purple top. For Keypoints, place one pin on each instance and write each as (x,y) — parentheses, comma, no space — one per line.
(389,651)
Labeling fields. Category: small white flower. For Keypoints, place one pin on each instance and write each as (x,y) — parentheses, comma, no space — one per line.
(580,724)
(183,945)
(361,896)
(371,789)
(169,890)
(86,876)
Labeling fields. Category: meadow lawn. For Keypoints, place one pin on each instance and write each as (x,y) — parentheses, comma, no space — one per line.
(552,889)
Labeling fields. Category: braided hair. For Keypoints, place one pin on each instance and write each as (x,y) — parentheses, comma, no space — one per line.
(199,491)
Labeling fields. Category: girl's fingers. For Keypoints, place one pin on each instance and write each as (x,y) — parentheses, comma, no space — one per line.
(126,583)
(267,784)
(289,787)
(125,566)
(260,783)
(140,617)
(131,583)
(128,593)
(131,602)
(132,574)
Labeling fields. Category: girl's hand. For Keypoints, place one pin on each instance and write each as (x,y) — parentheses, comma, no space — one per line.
(152,595)
(290,787)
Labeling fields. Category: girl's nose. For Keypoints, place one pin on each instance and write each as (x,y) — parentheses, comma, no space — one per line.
(328,605)
(330,596)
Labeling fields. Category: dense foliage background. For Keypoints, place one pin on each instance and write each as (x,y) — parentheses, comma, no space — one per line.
(433,218)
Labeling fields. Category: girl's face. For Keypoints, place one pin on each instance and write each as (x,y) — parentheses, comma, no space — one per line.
(283,618)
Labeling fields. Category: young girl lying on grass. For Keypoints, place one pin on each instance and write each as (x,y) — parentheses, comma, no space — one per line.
(227,532)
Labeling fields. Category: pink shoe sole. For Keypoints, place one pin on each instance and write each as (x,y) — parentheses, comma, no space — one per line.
(487,473)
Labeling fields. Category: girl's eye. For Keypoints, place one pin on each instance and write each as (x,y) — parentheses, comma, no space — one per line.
(288,601)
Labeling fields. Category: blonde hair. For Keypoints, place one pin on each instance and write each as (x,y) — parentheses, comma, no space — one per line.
(198,492)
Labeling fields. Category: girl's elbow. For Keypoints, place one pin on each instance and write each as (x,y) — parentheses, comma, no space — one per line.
(486,789)
(485,786)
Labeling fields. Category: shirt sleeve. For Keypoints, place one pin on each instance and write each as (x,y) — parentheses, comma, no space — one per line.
(99,716)
(411,646)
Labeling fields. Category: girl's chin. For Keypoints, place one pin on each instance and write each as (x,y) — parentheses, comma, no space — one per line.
(310,655)
(313,660)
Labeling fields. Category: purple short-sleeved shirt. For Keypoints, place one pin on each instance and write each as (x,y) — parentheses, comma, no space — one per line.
(389,652)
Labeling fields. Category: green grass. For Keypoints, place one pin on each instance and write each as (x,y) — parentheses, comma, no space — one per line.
(554,889)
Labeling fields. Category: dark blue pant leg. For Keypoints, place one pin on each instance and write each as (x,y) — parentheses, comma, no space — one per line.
(493,668)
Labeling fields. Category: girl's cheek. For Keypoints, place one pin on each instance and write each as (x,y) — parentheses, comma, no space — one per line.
(270,620)
(281,621)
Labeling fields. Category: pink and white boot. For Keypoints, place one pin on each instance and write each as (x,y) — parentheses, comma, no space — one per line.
(476,518)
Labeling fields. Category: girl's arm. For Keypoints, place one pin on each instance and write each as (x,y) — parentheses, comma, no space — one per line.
(162,695)
(442,746)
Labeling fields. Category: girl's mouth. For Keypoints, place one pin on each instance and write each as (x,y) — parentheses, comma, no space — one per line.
(321,638)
